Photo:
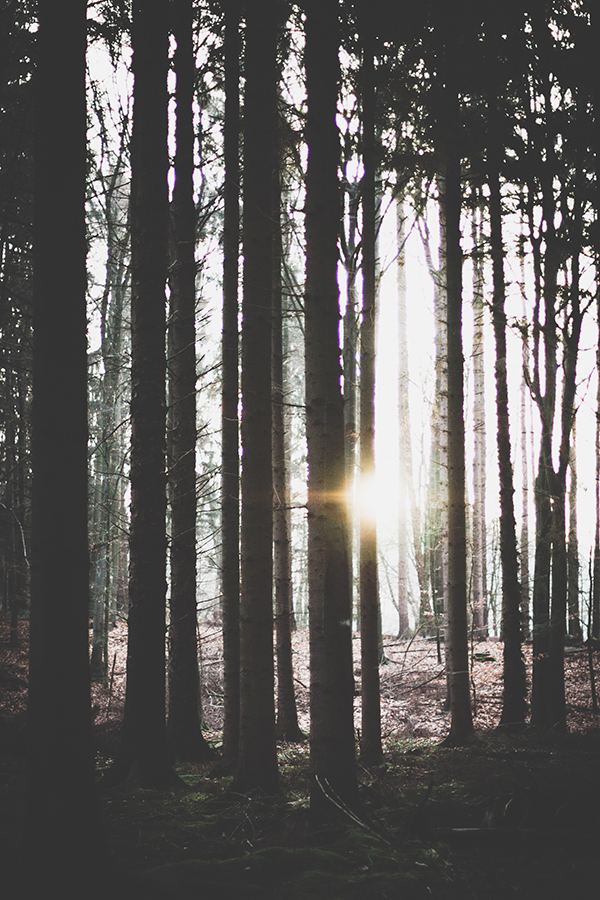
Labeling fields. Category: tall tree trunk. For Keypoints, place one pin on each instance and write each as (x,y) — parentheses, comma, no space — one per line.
(457,656)
(143,753)
(230,463)
(437,525)
(184,720)
(332,749)
(406,488)
(62,830)
(371,749)
(525,477)
(257,761)
(513,701)
(574,628)
(595,613)
(287,714)
(479,473)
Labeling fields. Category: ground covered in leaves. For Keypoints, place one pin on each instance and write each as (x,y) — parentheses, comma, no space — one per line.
(506,816)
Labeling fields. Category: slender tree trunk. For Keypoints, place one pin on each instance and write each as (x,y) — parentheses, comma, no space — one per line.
(332,748)
(144,753)
(513,703)
(525,477)
(257,761)
(62,829)
(371,749)
(287,714)
(575,629)
(438,482)
(479,473)
(457,656)
(595,617)
(230,463)
(404,444)
(184,719)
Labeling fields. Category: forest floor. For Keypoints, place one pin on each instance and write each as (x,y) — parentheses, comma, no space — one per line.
(509,815)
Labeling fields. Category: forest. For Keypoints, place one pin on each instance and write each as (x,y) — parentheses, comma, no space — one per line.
(299,449)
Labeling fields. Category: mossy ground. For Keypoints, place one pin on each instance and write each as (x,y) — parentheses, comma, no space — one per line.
(530,807)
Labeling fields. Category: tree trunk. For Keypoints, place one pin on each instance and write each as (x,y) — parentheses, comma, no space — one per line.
(332,749)
(480,630)
(257,761)
(62,829)
(287,714)
(406,488)
(184,712)
(144,754)
(230,463)
(457,656)
(371,749)
(574,628)
(513,701)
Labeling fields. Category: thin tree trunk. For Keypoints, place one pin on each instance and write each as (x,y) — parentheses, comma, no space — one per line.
(479,473)
(513,701)
(230,463)
(371,749)
(575,629)
(405,442)
(144,753)
(184,712)
(287,714)
(457,656)
(525,477)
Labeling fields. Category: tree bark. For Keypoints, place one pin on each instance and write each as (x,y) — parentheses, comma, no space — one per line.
(62,828)
(257,760)
(457,657)
(184,711)
(144,755)
(480,629)
(371,748)
(405,452)
(513,701)
(332,748)
(230,463)
(287,714)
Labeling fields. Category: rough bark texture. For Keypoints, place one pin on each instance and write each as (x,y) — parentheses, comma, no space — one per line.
(62,827)
(331,690)
(184,720)
(257,760)
(230,463)
(144,753)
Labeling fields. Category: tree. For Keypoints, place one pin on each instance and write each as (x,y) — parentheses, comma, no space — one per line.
(230,463)
(287,714)
(457,657)
(371,750)
(62,823)
(257,760)
(332,749)
(480,630)
(184,721)
(144,753)
(513,709)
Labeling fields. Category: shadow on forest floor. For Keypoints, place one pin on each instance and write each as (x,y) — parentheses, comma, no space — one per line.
(506,816)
